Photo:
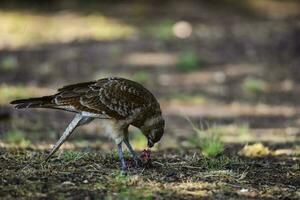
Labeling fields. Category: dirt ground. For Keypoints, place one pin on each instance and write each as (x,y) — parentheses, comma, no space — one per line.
(173,174)
(237,75)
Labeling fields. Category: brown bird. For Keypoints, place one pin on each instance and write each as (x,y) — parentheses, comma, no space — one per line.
(118,102)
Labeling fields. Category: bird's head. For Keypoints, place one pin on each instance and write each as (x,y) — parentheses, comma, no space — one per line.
(153,129)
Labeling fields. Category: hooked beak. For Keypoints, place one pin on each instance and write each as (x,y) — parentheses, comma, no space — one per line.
(150,143)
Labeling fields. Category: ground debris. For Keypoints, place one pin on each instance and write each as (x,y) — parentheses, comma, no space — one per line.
(173,174)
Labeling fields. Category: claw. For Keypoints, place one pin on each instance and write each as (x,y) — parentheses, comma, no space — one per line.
(137,160)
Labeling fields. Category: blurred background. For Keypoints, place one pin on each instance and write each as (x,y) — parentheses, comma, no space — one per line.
(225,68)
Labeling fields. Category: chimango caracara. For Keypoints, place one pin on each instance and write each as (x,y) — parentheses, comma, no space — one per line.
(118,102)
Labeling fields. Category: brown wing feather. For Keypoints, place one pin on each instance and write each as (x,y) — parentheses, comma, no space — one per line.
(115,97)
(76,85)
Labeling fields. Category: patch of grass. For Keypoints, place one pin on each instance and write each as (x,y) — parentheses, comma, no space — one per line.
(113,155)
(253,85)
(9,63)
(10,92)
(17,137)
(208,141)
(243,129)
(179,98)
(188,61)
(227,189)
(142,77)
(61,27)
(127,187)
(219,163)
(137,139)
(243,132)
(134,193)
(72,156)
(236,133)
(163,30)
(82,143)
(115,51)
(211,146)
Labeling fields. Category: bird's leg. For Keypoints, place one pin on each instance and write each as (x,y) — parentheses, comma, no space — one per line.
(132,152)
(74,123)
(85,120)
(121,156)
(123,125)
(136,159)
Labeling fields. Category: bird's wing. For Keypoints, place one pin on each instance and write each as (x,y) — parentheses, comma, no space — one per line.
(115,97)
(123,96)
(74,86)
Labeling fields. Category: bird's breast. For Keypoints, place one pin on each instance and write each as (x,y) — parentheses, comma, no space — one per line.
(111,129)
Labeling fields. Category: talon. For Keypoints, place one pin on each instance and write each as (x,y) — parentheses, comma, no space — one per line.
(123,168)
(138,162)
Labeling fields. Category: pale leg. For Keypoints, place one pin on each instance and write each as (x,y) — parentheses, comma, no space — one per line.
(74,123)
(121,156)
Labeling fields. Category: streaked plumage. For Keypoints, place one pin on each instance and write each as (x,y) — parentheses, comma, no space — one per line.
(118,101)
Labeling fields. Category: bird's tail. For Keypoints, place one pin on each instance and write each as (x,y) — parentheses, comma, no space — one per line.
(40,102)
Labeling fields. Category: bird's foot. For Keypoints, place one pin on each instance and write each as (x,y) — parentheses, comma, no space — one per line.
(123,166)
(137,162)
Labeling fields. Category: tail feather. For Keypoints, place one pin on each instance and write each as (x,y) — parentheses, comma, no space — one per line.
(39,102)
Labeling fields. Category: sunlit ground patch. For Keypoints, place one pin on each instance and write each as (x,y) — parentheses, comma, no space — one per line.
(16,138)
(12,92)
(260,150)
(255,150)
(28,29)
(179,98)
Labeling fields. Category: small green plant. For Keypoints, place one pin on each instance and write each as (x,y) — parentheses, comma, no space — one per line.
(187,98)
(244,132)
(227,189)
(137,139)
(9,63)
(9,92)
(70,156)
(208,140)
(141,77)
(115,51)
(211,145)
(188,61)
(253,85)
(17,137)
(218,163)
(125,186)
(113,155)
(163,30)
(135,193)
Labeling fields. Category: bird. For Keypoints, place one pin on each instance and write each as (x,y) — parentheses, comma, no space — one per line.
(116,101)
